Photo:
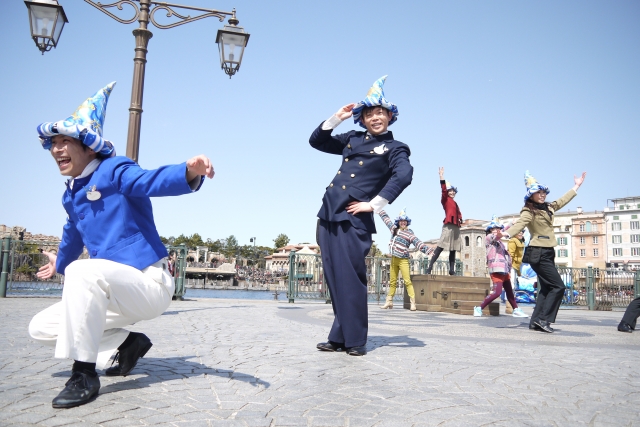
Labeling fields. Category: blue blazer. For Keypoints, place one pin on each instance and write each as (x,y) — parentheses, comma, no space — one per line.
(371,166)
(119,226)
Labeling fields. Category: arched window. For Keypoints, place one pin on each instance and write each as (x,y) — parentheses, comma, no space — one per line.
(588,226)
(466,240)
(479,242)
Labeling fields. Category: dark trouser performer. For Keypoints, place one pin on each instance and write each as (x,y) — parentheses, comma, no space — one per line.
(550,284)
(628,322)
(452,261)
(344,249)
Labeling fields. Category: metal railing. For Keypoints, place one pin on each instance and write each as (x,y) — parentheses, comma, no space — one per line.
(599,289)
(21,260)
(306,276)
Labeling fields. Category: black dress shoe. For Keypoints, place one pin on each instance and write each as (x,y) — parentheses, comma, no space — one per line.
(80,389)
(534,327)
(543,325)
(128,356)
(357,351)
(625,327)
(330,346)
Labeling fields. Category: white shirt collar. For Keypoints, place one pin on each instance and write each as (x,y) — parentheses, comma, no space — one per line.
(88,170)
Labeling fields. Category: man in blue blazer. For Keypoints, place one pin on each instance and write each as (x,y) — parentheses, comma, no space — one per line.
(126,278)
(374,170)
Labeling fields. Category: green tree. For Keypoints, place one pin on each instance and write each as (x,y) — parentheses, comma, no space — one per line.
(231,246)
(280,241)
(375,251)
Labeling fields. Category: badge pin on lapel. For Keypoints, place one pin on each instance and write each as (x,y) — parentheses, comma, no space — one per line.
(381,149)
(92,193)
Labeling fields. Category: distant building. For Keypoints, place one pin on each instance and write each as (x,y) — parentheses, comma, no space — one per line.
(474,253)
(279,260)
(589,239)
(623,233)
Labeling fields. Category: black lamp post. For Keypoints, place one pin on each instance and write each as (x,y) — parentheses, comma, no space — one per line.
(47,19)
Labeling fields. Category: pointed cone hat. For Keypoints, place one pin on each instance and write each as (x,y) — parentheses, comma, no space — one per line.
(495,223)
(533,186)
(375,98)
(450,187)
(85,124)
(402,217)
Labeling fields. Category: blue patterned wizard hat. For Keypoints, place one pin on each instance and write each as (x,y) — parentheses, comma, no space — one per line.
(375,98)
(495,223)
(402,217)
(533,186)
(448,186)
(85,124)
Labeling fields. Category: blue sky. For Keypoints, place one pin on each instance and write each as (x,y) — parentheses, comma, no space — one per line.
(486,89)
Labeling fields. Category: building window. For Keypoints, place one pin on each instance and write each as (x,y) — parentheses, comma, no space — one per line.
(562,241)
(634,216)
(595,252)
(635,225)
(635,238)
(621,207)
(616,239)
(581,227)
(587,226)
(479,242)
(617,251)
(567,228)
(595,240)
(583,253)
(616,226)
(635,251)
(616,217)
(594,226)
(466,240)
(583,240)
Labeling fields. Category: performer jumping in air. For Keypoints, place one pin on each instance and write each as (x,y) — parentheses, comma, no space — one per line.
(374,170)
(402,238)
(499,264)
(537,216)
(450,238)
(126,279)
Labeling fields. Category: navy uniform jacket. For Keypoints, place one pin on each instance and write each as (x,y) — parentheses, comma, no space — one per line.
(371,166)
(119,226)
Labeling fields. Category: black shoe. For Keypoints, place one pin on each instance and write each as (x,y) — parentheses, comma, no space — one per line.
(428,271)
(128,356)
(80,389)
(452,273)
(357,351)
(543,325)
(330,346)
(625,327)
(534,327)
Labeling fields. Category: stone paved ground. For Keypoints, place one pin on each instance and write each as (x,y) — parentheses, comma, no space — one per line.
(254,363)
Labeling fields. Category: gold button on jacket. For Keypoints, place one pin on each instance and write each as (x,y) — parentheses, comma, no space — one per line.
(347,159)
(353,175)
(344,187)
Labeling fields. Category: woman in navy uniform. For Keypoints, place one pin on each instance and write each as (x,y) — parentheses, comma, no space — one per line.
(374,171)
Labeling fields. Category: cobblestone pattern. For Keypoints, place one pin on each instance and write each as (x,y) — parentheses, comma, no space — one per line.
(254,363)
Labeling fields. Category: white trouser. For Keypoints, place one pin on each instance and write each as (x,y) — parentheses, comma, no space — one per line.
(98,299)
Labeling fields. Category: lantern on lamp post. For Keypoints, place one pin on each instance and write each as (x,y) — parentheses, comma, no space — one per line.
(231,43)
(47,18)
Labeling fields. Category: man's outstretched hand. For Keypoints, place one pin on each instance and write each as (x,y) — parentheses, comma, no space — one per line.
(48,270)
(199,165)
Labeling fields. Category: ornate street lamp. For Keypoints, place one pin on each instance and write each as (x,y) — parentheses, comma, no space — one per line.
(232,41)
(47,18)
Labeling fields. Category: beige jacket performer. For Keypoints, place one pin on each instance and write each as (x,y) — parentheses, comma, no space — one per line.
(541,226)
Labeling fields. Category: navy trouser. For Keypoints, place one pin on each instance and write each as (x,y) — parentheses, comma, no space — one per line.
(344,249)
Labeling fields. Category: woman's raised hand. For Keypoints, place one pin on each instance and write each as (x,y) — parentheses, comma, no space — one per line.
(441,172)
(579,180)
